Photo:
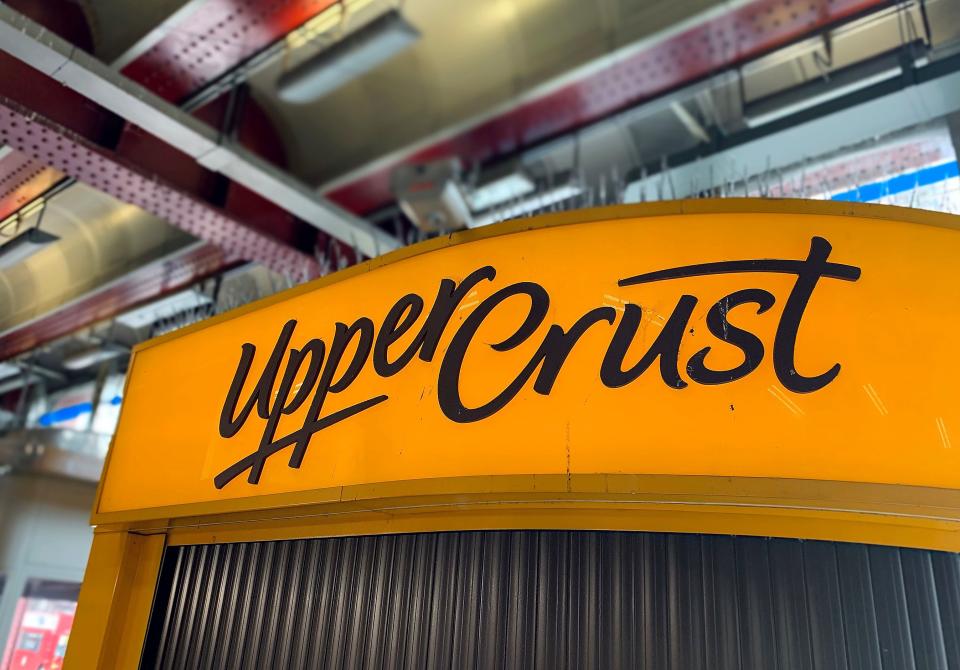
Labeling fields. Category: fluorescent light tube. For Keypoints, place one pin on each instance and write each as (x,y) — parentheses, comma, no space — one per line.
(500,190)
(531,204)
(359,52)
(818,91)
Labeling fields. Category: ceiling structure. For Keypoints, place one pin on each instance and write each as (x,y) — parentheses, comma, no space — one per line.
(535,84)
(150,138)
(101,240)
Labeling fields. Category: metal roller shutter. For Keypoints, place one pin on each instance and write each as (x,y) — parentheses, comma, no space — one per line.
(549,599)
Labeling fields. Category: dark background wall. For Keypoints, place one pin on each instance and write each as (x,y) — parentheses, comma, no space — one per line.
(547,599)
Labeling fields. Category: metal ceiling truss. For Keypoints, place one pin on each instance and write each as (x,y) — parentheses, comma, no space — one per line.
(90,142)
(919,95)
(99,84)
(209,39)
(130,148)
(67,152)
(579,99)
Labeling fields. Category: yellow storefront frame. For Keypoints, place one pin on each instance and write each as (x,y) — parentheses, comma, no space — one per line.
(125,560)
(118,588)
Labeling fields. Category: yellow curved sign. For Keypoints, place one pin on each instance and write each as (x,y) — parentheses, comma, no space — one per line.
(793,341)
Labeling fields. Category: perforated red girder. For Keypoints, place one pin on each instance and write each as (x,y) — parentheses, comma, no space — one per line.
(863,168)
(45,141)
(56,126)
(66,110)
(22,179)
(222,33)
(213,39)
(715,45)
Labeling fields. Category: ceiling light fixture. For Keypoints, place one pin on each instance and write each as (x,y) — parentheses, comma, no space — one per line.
(818,91)
(430,195)
(23,246)
(529,205)
(356,54)
(500,190)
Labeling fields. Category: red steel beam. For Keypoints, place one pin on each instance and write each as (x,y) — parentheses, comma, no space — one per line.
(222,33)
(718,44)
(864,168)
(59,128)
(145,153)
(55,126)
(23,179)
(214,39)
(140,286)
(54,145)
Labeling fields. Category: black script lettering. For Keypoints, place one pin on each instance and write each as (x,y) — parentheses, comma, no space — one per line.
(268,450)
(449,296)
(558,344)
(448,381)
(230,422)
(323,377)
(808,272)
(666,347)
(314,350)
(722,329)
(551,354)
(785,341)
(397,322)
(331,369)
(319,383)
(362,328)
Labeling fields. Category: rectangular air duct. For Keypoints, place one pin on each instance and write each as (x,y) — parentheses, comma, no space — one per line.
(356,54)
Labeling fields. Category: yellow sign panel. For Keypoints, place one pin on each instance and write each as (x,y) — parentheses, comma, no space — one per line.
(796,343)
